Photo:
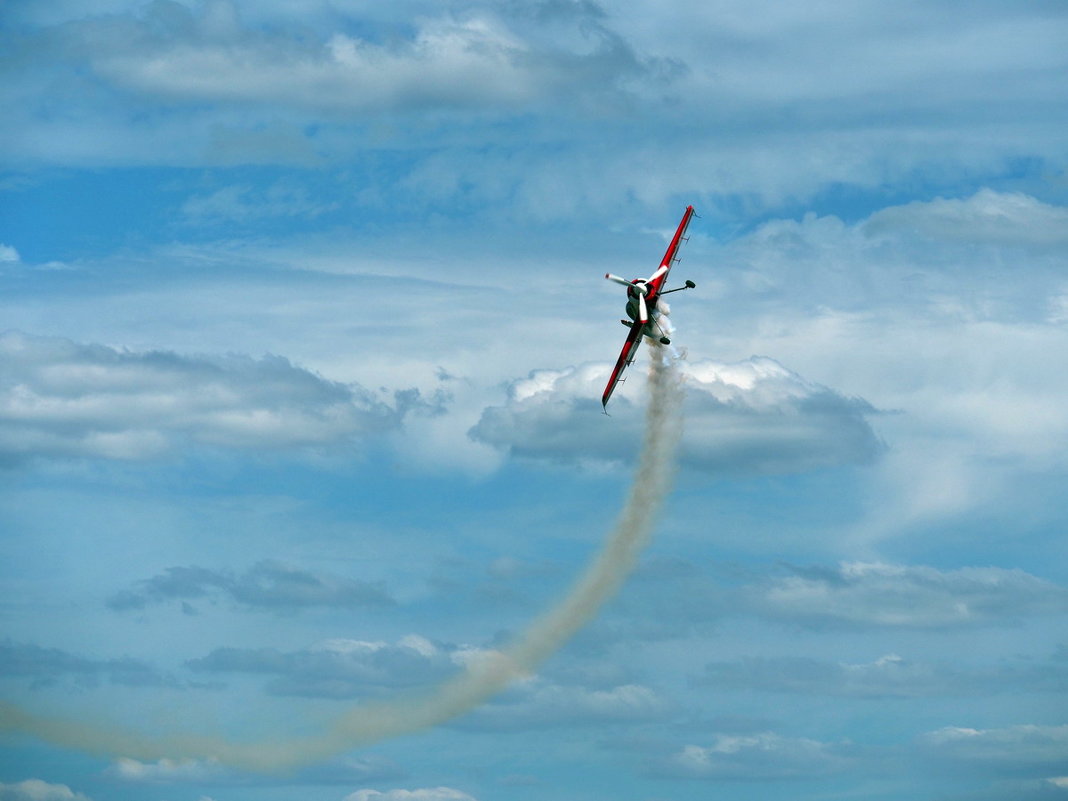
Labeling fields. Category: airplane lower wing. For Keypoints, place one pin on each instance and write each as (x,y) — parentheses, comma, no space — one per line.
(626,356)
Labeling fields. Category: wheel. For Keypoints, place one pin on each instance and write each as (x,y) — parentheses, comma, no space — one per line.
(665,341)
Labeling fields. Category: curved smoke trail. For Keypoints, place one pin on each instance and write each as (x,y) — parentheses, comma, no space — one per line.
(371,722)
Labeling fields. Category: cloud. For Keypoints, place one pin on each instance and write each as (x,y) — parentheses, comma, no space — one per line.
(889,676)
(38,790)
(679,599)
(933,260)
(267,585)
(759,117)
(985,218)
(349,770)
(749,417)
(166,771)
(46,666)
(1024,748)
(425,794)
(873,594)
(247,204)
(481,58)
(339,668)
(765,756)
(63,399)
(345,770)
(8,254)
(945,312)
(537,703)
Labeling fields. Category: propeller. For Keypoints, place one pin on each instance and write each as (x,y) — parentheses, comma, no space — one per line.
(641,289)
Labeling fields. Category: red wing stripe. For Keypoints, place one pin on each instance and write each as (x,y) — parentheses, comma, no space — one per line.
(680,234)
(670,256)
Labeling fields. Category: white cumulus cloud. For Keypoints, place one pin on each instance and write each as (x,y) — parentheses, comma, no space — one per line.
(754,416)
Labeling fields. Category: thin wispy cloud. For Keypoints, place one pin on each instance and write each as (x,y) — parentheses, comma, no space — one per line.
(766,756)
(267,585)
(874,594)
(45,667)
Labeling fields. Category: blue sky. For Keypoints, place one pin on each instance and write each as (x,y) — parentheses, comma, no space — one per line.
(302,338)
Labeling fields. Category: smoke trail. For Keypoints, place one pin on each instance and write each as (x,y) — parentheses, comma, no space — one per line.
(371,722)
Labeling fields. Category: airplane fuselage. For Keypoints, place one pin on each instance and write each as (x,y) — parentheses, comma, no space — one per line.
(650,304)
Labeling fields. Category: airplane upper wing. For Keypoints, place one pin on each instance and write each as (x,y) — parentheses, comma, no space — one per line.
(626,356)
(670,257)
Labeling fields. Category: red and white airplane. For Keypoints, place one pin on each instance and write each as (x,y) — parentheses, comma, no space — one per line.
(642,297)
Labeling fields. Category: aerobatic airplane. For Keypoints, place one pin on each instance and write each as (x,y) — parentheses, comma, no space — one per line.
(642,297)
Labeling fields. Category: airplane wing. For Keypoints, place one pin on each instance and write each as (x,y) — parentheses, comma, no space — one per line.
(670,257)
(626,356)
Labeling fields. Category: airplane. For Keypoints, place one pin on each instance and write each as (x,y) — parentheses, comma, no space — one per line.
(642,297)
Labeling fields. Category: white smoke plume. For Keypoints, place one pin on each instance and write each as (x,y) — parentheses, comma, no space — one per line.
(483,678)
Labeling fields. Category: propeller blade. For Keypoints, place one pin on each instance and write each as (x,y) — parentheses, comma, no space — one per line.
(643,312)
(663,269)
(618,280)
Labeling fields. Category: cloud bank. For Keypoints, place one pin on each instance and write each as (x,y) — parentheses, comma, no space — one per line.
(61,399)
(483,58)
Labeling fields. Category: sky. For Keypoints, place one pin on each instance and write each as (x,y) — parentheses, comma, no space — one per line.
(303,332)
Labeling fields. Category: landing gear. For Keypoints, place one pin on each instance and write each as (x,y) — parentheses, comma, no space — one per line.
(665,341)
